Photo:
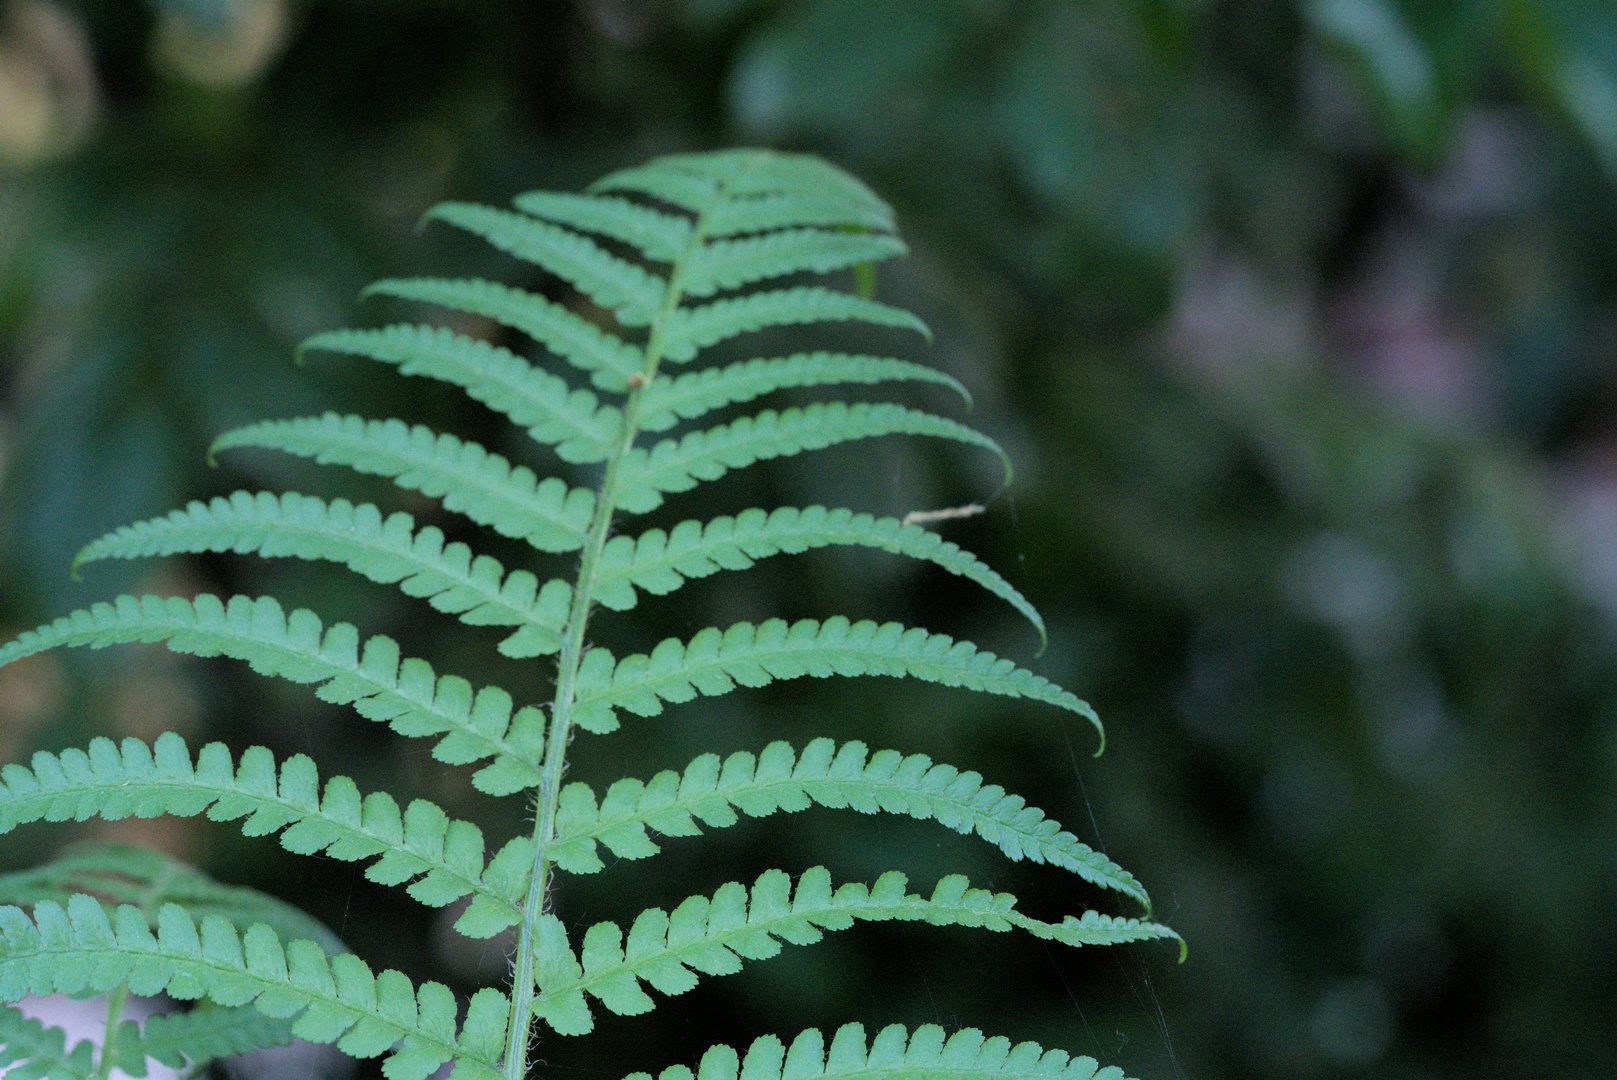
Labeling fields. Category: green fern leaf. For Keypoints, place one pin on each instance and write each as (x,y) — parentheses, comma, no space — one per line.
(660,562)
(441,858)
(80,950)
(389,551)
(582,430)
(632,294)
(485,487)
(895,1054)
(406,694)
(608,360)
(714,662)
(666,401)
(675,465)
(711,792)
(707,184)
(658,236)
(690,329)
(118,873)
(713,936)
(184,1039)
(724,265)
(31,1051)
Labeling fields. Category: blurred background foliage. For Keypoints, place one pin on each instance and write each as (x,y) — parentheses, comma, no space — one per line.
(1297,317)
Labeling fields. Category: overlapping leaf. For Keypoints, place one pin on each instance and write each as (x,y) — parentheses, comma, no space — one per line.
(31,1051)
(391,551)
(712,792)
(405,693)
(713,936)
(79,949)
(715,662)
(894,1053)
(443,859)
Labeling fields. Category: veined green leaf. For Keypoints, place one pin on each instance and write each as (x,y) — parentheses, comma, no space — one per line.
(485,487)
(714,662)
(31,1051)
(679,464)
(632,294)
(690,329)
(181,1040)
(573,421)
(666,401)
(698,182)
(714,936)
(660,562)
(895,1054)
(119,873)
(442,858)
(656,235)
(723,265)
(609,360)
(407,694)
(78,949)
(390,551)
(711,792)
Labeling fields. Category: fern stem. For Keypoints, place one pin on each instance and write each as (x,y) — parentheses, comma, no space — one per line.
(568,661)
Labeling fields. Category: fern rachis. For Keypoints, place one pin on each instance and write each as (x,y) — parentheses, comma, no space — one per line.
(685,252)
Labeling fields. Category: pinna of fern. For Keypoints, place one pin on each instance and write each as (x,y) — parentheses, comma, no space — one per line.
(671,259)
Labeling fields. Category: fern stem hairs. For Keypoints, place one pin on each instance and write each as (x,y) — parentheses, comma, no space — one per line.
(667,262)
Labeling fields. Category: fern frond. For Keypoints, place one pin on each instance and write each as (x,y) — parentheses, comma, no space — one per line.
(713,936)
(440,857)
(658,236)
(711,792)
(31,1051)
(714,662)
(708,183)
(675,465)
(80,950)
(634,295)
(666,401)
(690,329)
(389,551)
(609,361)
(205,1033)
(723,265)
(660,562)
(119,873)
(582,430)
(406,694)
(895,1054)
(483,486)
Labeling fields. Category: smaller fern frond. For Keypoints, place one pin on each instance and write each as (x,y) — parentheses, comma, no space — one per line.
(713,936)
(182,1040)
(78,949)
(31,1051)
(634,295)
(389,551)
(724,265)
(581,429)
(713,662)
(119,873)
(711,791)
(894,1053)
(802,190)
(404,693)
(608,360)
(660,562)
(659,236)
(441,858)
(483,486)
(666,401)
(675,465)
(690,329)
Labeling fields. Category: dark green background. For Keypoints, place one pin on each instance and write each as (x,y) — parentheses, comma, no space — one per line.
(1297,319)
